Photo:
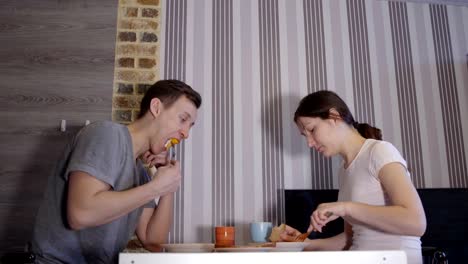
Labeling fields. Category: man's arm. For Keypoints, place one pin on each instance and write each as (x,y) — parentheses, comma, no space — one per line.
(92,202)
(154,224)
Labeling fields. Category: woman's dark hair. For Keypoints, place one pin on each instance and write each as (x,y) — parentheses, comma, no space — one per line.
(318,104)
(168,91)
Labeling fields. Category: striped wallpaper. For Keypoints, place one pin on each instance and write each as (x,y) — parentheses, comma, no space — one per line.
(174,61)
(407,103)
(400,66)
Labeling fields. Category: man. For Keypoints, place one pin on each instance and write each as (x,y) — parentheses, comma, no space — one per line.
(100,194)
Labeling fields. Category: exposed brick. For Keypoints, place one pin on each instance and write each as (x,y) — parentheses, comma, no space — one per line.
(134,76)
(137,24)
(122,115)
(124,24)
(131,12)
(146,63)
(136,50)
(125,88)
(128,76)
(126,49)
(146,77)
(135,114)
(127,2)
(127,36)
(126,102)
(149,37)
(148,2)
(126,62)
(143,88)
(136,56)
(149,12)
(146,50)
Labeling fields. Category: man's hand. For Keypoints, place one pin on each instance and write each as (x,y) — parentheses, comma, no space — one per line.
(168,178)
(157,160)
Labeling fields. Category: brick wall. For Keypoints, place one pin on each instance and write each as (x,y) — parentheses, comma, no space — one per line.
(136,56)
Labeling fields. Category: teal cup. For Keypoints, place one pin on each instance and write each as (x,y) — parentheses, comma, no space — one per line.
(260,231)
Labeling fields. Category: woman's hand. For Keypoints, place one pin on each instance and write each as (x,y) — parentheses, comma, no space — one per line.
(157,160)
(289,234)
(325,213)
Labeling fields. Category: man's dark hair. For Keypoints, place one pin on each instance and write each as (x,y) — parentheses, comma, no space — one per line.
(168,91)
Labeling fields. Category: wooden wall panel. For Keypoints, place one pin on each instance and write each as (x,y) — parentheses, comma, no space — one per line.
(56,62)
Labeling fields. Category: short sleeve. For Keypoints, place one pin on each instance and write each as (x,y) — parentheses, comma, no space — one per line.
(384,153)
(145,178)
(98,151)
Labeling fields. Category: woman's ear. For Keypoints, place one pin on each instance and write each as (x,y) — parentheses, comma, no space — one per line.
(155,107)
(332,113)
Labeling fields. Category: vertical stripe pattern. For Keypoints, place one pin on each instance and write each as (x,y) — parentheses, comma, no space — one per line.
(270,87)
(406,90)
(449,97)
(174,58)
(252,61)
(321,166)
(222,108)
(360,64)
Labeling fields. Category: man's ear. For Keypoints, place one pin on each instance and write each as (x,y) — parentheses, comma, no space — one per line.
(155,106)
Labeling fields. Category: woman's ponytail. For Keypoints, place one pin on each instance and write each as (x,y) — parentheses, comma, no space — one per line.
(320,103)
(368,131)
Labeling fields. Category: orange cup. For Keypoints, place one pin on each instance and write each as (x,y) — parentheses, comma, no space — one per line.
(225,236)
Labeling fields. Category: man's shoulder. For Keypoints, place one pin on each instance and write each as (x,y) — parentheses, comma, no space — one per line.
(105,125)
(103,128)
(102,133)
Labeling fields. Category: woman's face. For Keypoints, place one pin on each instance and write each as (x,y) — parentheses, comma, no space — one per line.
(319,134)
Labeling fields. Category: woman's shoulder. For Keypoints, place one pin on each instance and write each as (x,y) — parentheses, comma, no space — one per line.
(384,152)
(381,147)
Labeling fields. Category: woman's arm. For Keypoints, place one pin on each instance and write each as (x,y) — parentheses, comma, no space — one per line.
(341,241)
(405,215)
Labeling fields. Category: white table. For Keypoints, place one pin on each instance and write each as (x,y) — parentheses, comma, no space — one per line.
(349,257)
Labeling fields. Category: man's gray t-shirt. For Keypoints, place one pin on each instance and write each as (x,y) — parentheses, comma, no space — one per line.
(103,150)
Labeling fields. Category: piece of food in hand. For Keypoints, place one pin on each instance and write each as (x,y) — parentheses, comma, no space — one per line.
(276,232)
(171,142)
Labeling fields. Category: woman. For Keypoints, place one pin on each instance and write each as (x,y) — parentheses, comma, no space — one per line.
(377,200)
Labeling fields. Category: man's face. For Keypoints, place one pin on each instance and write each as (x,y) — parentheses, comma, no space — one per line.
(173,122)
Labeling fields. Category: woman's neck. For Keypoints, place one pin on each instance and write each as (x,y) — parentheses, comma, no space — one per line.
(351,147)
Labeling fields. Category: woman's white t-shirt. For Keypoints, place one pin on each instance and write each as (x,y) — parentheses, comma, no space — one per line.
(360,183)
